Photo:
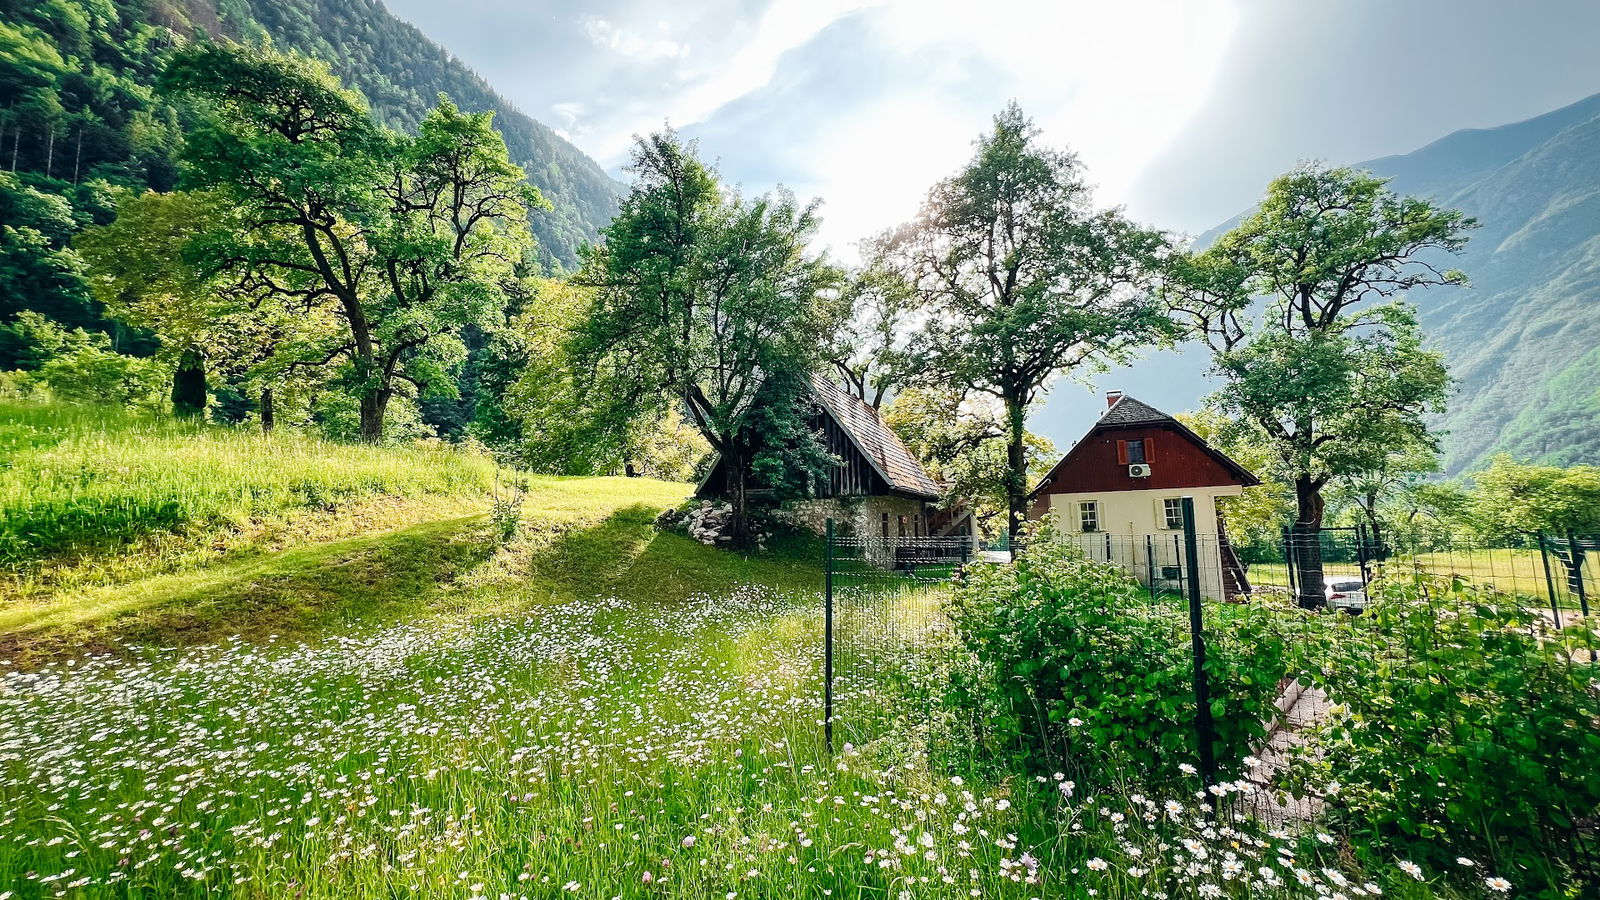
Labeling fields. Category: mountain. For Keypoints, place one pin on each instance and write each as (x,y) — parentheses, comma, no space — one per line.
(77,105)
(1523,340)
(402,73)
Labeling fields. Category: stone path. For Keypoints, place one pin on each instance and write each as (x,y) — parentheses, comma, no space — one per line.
(1298,708)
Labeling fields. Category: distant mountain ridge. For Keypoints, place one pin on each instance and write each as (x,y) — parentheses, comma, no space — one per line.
(401,72)
(1523,341)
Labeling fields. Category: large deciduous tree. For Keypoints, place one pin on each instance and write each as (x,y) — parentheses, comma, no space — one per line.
(709,300)
(1561,503)
(141,269)
(1385,484)
(868,354)
(1300,307)
(961,441)
(408,239)
(1020,279)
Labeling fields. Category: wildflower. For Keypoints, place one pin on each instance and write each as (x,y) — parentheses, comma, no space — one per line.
(688,841)
(1411,868)
(647,877)
(1186,769)
(1098,865)
(571,887)
(1463,861)
(1075,722)
(1498,884)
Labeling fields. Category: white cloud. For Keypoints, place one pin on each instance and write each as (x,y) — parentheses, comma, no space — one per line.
(787,24)
(1115,82)
(567,111)
(629,42)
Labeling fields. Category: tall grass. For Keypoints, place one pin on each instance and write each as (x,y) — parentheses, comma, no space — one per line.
(77,479)
(599,748)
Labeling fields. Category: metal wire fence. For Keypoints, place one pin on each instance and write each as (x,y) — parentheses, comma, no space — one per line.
(886,630)
(1397,662)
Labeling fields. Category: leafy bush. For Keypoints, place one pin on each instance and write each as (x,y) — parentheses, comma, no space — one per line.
(1464,725)
(1073,666)
(80,366)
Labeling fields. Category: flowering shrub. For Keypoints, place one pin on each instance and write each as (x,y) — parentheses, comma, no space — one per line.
(1076,667)
(1464,724)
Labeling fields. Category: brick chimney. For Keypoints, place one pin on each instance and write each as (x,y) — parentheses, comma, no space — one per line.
(1112,397)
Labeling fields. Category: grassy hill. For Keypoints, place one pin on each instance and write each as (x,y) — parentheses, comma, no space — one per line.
(395,697)
(121,529)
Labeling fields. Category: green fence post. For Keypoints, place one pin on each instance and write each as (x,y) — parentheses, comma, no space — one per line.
(1205,729)
(827,642)
(1549,580)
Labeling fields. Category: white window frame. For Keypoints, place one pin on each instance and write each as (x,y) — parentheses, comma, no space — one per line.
(1089,516)
(1172,511)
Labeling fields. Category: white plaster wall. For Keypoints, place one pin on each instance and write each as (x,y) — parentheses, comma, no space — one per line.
(1133,533)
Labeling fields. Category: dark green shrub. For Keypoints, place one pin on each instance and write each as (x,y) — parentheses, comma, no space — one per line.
(1464,725)
(1072,666)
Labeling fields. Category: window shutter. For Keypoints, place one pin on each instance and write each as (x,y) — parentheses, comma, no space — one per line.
(1149,450)
(1122,453)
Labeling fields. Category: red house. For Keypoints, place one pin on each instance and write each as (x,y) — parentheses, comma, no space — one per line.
(1119,493)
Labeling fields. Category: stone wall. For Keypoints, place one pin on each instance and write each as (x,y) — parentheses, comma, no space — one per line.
(860,516)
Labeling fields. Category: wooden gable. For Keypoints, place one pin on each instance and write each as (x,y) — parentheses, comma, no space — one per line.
(872,459)
(1178,458)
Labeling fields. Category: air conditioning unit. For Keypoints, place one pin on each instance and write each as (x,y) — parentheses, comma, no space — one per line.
(1139,470)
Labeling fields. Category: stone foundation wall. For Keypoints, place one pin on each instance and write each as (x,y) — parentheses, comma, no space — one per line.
(860,516)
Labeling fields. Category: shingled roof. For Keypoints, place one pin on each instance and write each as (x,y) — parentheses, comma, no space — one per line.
(876,441)
(1128,411)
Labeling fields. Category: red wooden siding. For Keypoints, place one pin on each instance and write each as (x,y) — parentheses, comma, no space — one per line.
(1098,464)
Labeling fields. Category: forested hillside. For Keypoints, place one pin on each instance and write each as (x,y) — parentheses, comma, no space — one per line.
(401,72)
(79,116)
(1523,340)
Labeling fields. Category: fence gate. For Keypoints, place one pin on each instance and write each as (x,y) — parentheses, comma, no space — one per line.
(884,624)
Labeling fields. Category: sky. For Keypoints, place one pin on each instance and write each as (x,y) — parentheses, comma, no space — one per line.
(1181,110)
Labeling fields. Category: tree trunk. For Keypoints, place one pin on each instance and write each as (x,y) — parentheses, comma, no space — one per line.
(1016,473)
(373,405)
(268,414)
(1306,537)
(733,469)
(189,384)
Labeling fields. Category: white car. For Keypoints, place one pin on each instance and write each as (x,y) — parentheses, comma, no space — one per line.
(1346,593)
